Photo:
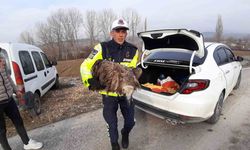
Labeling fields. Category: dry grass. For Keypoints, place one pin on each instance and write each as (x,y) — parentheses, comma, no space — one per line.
(241,53)
(69,68)
(71,99)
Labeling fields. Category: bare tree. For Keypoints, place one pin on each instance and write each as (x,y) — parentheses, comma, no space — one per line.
(27,37)
(57,29)
(44,34)
(133,19)
(72,23)
(46,40)
(91,26)
(106,17)
(59,35)
(60,32)
(219,29)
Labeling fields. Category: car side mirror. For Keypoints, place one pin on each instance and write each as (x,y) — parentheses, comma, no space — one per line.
(54,62)
(239,58)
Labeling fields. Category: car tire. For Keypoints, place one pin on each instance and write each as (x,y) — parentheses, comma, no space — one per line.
(217,110)
(36,110)
(238,82)
(57,83)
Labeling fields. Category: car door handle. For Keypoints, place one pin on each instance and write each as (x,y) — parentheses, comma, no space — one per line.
(227,72)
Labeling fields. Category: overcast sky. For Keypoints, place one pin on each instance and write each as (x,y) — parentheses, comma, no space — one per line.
(19,15)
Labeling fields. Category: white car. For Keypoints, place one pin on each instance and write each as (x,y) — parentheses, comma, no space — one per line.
(205,72)
(31,71)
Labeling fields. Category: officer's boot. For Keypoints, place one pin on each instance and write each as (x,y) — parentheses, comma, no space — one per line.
(115,146)
(125,139)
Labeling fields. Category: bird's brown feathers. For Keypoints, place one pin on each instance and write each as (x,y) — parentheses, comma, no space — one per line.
(116,77)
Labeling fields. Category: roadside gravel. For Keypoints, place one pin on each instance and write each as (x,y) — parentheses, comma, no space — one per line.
(71,99)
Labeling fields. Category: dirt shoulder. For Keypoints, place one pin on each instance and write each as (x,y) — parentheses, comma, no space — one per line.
(71,99)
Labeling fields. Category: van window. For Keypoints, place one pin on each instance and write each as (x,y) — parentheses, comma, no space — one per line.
(7,61)
(38,61)
(46,60)
(26,62)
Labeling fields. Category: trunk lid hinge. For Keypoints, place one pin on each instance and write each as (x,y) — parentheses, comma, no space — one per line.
(142,57)
(191,62)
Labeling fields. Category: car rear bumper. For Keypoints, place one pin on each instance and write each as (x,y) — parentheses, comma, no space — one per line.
(186,108)
(170,117)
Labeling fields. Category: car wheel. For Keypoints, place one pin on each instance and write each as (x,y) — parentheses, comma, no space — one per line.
(57,83)
(36,110)
(217,111)
(238,82)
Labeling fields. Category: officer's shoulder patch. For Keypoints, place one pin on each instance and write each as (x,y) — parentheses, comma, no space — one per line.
(93,53)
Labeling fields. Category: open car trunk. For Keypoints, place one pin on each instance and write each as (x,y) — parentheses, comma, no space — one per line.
(149,79)
(173,54)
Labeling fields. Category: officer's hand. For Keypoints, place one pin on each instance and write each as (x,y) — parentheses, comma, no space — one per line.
(95,84)
(19,94)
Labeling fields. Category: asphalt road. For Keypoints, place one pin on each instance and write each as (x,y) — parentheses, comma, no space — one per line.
(88,131)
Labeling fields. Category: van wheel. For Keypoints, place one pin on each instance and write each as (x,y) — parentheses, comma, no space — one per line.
(57,83)
(238,82)
(217,111)
(36,110)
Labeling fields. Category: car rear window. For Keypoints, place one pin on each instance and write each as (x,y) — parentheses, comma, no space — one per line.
(26,62)
(174,58)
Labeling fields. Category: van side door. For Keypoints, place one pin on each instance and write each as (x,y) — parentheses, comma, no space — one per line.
(50,70)
(40,71)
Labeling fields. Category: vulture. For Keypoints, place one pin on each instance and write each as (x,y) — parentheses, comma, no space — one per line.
(114,77)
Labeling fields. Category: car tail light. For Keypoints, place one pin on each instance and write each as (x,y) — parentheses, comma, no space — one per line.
(19,80)
(195,85)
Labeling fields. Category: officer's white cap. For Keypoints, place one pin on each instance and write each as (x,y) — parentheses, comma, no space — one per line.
(119,23)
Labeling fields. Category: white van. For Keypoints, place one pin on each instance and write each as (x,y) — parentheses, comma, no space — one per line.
(31,71)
